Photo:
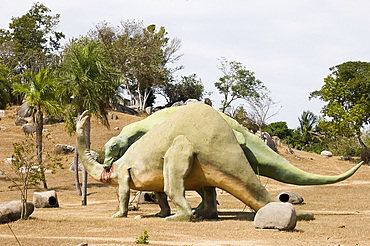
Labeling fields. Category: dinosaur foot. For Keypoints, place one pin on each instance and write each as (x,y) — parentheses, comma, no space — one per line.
(162,214)
(119,215)
(179,217)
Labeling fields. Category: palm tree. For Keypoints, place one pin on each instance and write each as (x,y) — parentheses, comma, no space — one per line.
(307,121)
(86,82)
(40,94)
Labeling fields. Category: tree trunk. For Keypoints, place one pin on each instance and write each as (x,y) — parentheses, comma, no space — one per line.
(39,124)
(365,156)
(77,180)
(84,173)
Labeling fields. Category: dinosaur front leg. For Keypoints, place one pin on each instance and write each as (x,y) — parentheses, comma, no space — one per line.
(163,204)
(177,164)
(123,193)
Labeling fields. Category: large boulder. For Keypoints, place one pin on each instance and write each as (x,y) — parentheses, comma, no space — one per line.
(276,215)
(291,197)
(63,149)
(46,199)
(125,110)
(28,128)
(326,153)
(20,121)
(267,139)
(24,112)
(11,211)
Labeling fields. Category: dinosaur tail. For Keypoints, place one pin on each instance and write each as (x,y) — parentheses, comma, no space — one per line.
(268,163)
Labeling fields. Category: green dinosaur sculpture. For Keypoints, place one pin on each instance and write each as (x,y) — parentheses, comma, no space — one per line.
(264,161)
(193,148)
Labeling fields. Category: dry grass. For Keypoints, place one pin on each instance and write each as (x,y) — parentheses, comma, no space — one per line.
(342,210)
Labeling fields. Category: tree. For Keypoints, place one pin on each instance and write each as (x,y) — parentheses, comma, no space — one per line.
(279,129)
(86,82)
(5,86)
(27,168)
(346,92)
(241,115)
(262,108)
(189,87)
(236,83)
(307,122)
(31,43)
(141,55)
(41,96)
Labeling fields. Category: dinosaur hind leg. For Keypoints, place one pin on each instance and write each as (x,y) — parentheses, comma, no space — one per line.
(163,204)
(177,164)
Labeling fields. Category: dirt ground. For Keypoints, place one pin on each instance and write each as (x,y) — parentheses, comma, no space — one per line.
(342,210)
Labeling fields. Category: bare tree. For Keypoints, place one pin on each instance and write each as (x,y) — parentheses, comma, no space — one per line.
(262,108)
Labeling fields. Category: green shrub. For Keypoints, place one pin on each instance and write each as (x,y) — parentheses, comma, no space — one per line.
(143,239)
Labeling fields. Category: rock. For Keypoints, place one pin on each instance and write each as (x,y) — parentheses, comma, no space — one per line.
(267,139)
(94,154)
(113,116)
(276,140)
(125,110)
(326,153)
(24,112)
(2,113)
(116,128)
(189,101)
(176,104)
(149,110)
(291,197)
(20,121)
(344,158)
(2,128)
(11,211)
(8,160)
(1,173)
(276,215)
(138,217)
(83,244)
(28,128)
(46,199)
(63,149)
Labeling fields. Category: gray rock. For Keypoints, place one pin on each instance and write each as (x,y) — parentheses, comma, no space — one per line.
(176,104)
(46,199)
(189,101)
(326,153)
(20,121)
(344,158)
(11,211)
(8,160)
(291,197)
(276,215)
(28,128)
(63,149)
(2,128)
(2,113)
(24,112)
(267,139)
(125,110)
(116,128)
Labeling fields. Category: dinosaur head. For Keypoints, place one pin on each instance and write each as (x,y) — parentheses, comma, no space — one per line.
(114,149)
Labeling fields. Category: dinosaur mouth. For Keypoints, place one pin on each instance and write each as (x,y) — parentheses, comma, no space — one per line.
(106,175)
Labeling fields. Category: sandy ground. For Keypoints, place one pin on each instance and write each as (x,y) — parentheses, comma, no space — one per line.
(342,210)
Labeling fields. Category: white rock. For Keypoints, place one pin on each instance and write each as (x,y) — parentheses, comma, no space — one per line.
(326,153)
(276,215)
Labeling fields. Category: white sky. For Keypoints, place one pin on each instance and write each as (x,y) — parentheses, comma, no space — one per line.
(289,45)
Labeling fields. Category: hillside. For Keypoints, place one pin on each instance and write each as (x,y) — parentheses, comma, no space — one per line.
(342,210)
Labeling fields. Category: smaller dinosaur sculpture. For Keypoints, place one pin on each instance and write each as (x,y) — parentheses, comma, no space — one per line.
(192,148)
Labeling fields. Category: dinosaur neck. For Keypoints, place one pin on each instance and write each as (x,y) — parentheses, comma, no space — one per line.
(93,167)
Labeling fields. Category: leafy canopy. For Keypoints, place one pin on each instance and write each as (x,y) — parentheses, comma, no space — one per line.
(346,92)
